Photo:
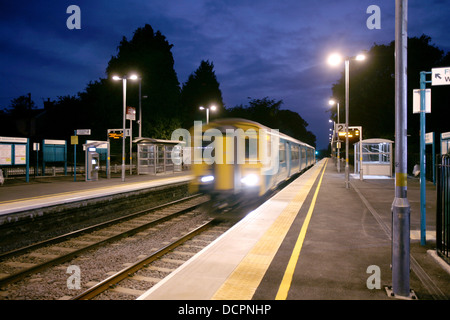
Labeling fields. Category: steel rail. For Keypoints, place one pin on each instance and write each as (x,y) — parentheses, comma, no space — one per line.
(129,271)
(26,272)
(90,229)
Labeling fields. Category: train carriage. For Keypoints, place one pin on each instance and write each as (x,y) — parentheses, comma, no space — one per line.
(235,160)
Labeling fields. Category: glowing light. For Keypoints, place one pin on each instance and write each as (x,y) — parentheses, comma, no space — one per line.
(250,180)
(207,179)
(334,59)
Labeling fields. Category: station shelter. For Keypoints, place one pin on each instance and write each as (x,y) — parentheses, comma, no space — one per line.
(155,156)
(445,143)
(54,152)
(377,157)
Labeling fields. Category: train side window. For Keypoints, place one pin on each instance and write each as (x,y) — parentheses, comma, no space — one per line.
(294,153)
(282,152)
(210,146)
(251,148)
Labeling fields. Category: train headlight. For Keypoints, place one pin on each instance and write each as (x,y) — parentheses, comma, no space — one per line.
(250,180)
(205,179)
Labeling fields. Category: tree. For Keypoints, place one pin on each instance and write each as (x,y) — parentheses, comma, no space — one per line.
(21,106)
(372,90)
(19,117)
(148,54)
(100,107)
(267,112)
(263,111)
(371,93)
(60,118)
(201,89)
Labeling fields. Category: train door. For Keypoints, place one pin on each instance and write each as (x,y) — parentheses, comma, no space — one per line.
(288,158)
(282,167)
(223,170)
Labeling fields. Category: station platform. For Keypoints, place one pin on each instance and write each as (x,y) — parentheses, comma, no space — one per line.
(313,240)
(52,191)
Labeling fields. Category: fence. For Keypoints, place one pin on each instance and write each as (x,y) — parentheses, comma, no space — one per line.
(443,208)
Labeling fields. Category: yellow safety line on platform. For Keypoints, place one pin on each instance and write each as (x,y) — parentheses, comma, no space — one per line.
(288,274)
(243,282)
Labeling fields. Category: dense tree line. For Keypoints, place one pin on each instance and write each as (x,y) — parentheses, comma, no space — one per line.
(267,112)
(166,105)
(372,91)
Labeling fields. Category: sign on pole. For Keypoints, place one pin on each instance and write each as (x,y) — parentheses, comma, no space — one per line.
(131,113)
(73,140)
(83,132)
(115,133)
(340,127)
(429,138)
(440,76)
(416,101)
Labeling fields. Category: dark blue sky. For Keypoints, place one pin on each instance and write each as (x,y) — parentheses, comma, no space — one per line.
(259,47)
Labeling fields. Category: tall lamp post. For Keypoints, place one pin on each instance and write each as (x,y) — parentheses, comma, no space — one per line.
(124,82)
(334,60)
(212,108)
(401,208)
(140,108)
(335,102)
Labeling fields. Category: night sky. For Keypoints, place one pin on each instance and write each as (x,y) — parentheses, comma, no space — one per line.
(259,47)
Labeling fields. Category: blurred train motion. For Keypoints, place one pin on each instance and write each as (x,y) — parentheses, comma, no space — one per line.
(236,161)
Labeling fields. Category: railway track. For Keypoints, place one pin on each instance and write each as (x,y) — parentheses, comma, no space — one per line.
(18,264)
(116,283)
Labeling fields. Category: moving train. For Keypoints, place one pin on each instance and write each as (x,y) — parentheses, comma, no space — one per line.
(237,160)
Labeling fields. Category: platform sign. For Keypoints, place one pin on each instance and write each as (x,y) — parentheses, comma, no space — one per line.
(5,154)
(83,132)
(340,127)
(14,151)
(416,101)
(20,154)
(73,140)
(429,138)
(440,76)
(131,113)
(115,133)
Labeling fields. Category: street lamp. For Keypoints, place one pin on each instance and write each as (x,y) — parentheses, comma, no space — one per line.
(212,108)
(140,108)
(360,57)
(334,60)
(332,102)
(124,82)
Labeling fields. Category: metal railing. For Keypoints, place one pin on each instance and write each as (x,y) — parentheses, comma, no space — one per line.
(443,208)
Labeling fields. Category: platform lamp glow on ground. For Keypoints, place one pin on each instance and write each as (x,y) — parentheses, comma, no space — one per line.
(124,81)
(334,60)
